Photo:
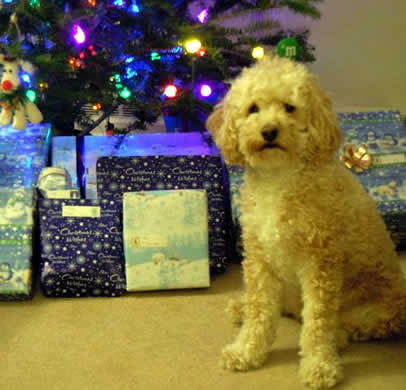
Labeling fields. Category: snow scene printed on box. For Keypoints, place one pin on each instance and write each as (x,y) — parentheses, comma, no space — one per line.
(166,239)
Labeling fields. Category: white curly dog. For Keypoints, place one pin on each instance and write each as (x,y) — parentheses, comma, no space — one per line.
(315,246)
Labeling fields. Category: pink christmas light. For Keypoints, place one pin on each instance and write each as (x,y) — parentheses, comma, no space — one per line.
(79,34)
(203,16)
(205,90)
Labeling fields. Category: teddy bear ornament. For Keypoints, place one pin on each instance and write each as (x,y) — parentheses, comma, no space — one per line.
(15,106)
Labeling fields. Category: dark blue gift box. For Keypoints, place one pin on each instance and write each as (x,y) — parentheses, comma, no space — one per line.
(116,175)
(81,248)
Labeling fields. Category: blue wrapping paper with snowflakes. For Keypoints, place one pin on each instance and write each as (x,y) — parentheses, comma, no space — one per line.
(16,231)
(236,178)
(23,154)
(163,144)
(166,239)
(385,136)
(116,175)
(81,248)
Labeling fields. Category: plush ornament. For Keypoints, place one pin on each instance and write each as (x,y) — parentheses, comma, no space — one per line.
(12,97)
(288,47)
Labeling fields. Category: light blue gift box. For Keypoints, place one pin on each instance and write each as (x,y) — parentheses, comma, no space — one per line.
(166,239)
(16,227)
(64,156)
(23,154)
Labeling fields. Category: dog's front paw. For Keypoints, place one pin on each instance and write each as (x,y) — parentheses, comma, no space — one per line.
(235,311)
(320,372)
(237,357)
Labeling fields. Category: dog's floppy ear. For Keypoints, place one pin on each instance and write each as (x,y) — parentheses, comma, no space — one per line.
(323,123)
(221,126)
(215,120)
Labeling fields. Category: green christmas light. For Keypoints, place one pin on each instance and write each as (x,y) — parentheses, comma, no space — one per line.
(117,78)
(34,3)
(155,56)
(125,93)
(31,95)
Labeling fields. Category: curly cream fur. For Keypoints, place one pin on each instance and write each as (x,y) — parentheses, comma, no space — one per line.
(315,246)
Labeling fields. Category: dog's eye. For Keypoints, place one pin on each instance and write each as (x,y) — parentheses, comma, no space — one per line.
(289,108)
(253,109)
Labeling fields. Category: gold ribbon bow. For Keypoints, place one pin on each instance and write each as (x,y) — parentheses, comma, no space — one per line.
(356,157)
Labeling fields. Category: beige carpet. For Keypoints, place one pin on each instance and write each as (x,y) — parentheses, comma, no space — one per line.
(163,340)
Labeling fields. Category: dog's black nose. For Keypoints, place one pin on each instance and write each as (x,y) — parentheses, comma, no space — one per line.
(270,135)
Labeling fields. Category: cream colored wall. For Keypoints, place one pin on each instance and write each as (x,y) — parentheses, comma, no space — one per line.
(361,53)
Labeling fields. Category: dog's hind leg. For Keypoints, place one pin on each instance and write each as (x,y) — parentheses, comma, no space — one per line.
(376,320)
(261,313)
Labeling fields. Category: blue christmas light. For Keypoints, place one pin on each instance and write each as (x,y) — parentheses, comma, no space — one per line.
(118,3)
(130,72)
(8,1)
(135,7)
(26,78)
(177,50)
(128,60)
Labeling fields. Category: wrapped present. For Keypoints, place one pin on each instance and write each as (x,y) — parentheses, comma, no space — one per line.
(64,156)
(116,175)
(236,178)
(368,116)
(23,154)
(139,145)
(16,231)
(55,183)
(81,248)
(375,149)
(166,239)
(382,133)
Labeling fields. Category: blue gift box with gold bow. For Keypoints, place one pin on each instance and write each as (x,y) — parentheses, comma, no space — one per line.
(375,150)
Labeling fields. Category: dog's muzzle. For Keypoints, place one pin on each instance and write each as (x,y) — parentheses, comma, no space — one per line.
(269,136)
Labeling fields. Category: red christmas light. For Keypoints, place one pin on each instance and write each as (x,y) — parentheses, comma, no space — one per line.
(201,52)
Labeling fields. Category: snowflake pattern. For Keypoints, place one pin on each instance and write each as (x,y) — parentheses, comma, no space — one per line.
(82,259)
(174,172)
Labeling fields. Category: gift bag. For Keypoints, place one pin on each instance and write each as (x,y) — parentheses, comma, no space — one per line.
(81,248)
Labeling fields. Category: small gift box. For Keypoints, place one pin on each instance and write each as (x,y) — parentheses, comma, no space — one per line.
(16,230)
(116,175)
(166,239)
(55,183)
(81,248)
(64,156)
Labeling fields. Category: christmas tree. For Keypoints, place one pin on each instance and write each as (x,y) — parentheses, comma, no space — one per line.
(154,56)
